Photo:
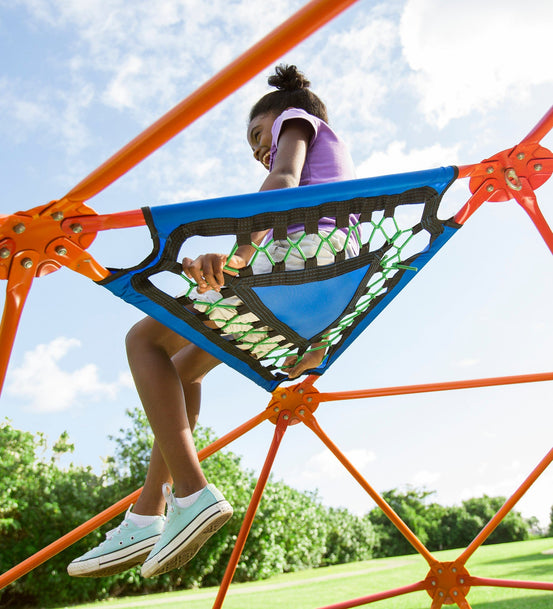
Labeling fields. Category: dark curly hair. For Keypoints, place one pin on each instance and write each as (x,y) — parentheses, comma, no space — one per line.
(292,92)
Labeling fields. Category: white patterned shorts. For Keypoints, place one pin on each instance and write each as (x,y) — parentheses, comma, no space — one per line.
(221,310)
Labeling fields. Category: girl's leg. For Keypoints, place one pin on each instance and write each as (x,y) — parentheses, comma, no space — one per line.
(158,358)
(151,501)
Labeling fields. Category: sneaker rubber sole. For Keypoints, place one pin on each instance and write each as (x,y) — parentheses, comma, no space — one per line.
(182,548)
(113,563)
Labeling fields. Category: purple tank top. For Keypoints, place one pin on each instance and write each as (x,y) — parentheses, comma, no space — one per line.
(327,160)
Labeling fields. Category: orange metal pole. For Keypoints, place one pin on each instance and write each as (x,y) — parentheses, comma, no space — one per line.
(311,422)
(93,224)
(379,596)
(526,198)
(20,280)
(508,583)
(541,129)
(429,387)
(506,508)
(302,24)
(281,426)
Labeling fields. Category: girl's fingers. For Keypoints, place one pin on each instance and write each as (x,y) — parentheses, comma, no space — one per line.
(206,270)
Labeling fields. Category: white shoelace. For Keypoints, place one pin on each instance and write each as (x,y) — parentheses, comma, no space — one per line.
(168,496)
(111,534)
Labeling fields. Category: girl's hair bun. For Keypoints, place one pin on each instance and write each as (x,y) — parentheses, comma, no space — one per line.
(292,91)
(288,78)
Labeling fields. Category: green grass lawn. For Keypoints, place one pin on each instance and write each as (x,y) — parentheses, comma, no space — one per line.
(316,588)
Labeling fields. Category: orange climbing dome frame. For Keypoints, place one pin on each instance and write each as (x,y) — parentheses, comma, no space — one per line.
(41,240)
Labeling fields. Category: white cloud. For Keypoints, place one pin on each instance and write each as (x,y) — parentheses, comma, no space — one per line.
(42,383)
(397,159)
(468,55)
(468,362)
(324,466)
(149,52)
(425,478)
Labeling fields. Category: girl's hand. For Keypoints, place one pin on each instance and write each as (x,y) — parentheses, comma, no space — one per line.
(207,270)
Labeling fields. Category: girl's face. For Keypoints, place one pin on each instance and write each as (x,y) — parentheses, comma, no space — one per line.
(260,138)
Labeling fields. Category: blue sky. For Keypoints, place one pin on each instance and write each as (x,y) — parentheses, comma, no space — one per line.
(410,84)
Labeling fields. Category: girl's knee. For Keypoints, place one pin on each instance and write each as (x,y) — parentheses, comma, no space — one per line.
(139,335)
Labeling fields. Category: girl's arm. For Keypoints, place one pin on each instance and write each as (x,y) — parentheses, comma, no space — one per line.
(207,269)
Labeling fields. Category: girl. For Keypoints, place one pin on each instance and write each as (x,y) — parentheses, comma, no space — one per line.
(289,134)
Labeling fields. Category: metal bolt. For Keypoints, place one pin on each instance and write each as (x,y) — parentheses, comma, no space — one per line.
(282,396)
(300,391)
(538,167)
(520,156)
(77,228)
(441,593)
(490,170)
(440,571)
(4,252)
(276,409)
(433,582)
(454,570)
(285,417)
(19,228)
(57,216)
(455,593)
(302,412)
(26,263)
(309,399)
(489,187)
(461,581)
(61,251)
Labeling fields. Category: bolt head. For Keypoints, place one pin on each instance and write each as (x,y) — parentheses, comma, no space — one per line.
(302,412)
(57,216)
(538,167)
(282,396)
(276,409)
(19,228)
(26,263)
(77,228)
(309,399)
(520,156)
(489,169)
(4,252)
(285,417)
(489,187)
(61,251)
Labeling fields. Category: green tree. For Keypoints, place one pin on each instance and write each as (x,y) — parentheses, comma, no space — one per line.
(439,527)
(512,528)
(349,538)
(38,504)
(411,507)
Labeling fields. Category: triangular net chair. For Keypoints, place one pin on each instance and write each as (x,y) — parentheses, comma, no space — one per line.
(394,224)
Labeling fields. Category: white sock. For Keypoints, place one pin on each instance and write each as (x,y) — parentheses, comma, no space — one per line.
(185,502)
(141,520)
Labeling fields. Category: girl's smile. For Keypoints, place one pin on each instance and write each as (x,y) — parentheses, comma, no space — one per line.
(260,137)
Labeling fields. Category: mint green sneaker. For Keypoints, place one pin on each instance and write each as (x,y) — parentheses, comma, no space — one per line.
(186,530)
(124,547)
